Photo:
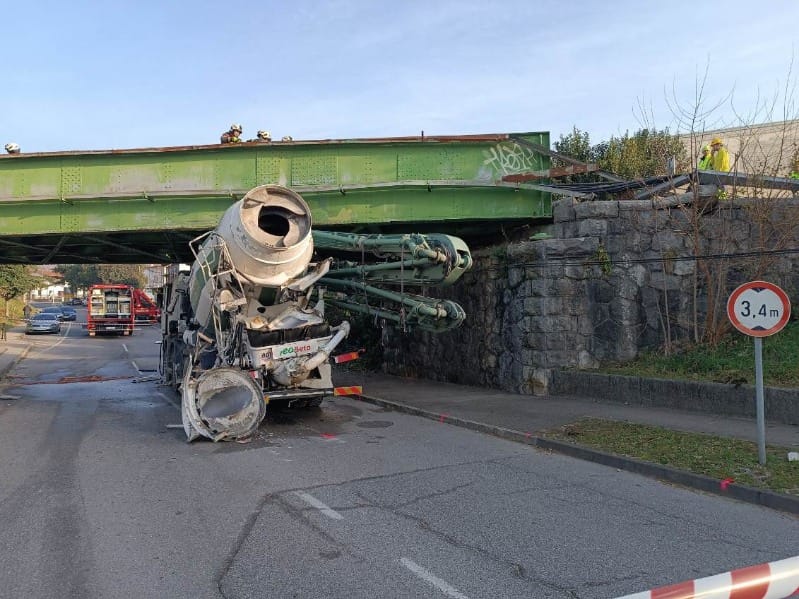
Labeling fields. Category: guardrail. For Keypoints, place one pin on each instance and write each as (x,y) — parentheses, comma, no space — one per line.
(773,580)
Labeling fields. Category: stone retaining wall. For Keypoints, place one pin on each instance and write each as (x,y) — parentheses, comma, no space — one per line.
(613,278)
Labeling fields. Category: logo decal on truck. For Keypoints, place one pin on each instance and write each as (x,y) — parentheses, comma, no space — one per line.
(291,350)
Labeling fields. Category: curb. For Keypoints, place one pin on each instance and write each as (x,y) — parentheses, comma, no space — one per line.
(770,499)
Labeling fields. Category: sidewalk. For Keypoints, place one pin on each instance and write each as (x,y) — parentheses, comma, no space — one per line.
(523,418)
(12,349)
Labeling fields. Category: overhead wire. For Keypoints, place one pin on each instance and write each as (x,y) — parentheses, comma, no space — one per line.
(560,262)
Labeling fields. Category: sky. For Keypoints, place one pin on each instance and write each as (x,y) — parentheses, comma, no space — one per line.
(94,75)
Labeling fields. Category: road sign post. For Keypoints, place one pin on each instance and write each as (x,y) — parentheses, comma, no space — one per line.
(759,309)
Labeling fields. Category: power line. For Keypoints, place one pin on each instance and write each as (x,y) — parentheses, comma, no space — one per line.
(560,261)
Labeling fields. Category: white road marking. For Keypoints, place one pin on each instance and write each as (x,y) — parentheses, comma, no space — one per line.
(61,340)
(441,585)
(125,347)
(326,510)
(136,367)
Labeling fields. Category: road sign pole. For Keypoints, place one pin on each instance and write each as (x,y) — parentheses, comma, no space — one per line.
(761,406)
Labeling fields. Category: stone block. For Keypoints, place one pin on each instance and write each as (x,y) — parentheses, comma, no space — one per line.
(627,289)
(536,341)
(584,326)
(668,241)
(684,267)
(598,209)
(600,291)
(540,380)
(526,251)
(644,206)
(515,276)
(564,230)
(593,228)
(615,243)
(662,281)
(569,248)
(563,210)
(560,359)
(585,360)
(540,288)
(533,306)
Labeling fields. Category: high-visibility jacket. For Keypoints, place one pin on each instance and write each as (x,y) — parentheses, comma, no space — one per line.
(705,162)
(721,160)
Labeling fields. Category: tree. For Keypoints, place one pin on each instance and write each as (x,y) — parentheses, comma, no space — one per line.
(14,281)
(78,276)
(576,144)
(643,154)
(129,274)
(81,276)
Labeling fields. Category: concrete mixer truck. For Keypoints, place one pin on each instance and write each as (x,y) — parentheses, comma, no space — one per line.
(247,328)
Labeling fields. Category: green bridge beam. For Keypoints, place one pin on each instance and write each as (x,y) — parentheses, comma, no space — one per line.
(142,205)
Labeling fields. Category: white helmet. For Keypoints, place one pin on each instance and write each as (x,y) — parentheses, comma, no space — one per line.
(264,134)
(12,148)
(287,138)
(236,127)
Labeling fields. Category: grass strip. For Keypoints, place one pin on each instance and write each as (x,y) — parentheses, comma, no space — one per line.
(730,361)
(717,457)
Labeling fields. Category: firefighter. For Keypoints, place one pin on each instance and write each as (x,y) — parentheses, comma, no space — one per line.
(232,135)
(704,159)
(12,148)
(262,136)
(720,158)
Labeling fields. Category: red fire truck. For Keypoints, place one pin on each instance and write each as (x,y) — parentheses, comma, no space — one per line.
(144,307)
(110,309)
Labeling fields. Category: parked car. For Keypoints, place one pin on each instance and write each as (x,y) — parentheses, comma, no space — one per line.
(43,322)
(69,313)
(57,310)
(75,301)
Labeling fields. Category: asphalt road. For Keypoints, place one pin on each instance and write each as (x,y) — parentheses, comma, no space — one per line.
(100,497)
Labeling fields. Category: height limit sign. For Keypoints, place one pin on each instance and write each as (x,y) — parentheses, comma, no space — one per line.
(759,309)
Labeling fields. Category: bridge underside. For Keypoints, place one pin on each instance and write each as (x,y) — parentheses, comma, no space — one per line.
(144,206)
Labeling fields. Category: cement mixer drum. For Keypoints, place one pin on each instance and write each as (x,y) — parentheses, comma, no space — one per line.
(268,235)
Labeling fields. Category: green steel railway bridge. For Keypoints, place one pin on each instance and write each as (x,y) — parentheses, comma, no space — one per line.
(145,205)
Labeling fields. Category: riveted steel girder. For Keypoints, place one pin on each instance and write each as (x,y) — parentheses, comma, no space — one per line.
(140,205)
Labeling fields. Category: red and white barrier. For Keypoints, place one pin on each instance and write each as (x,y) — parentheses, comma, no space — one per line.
(774,580)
